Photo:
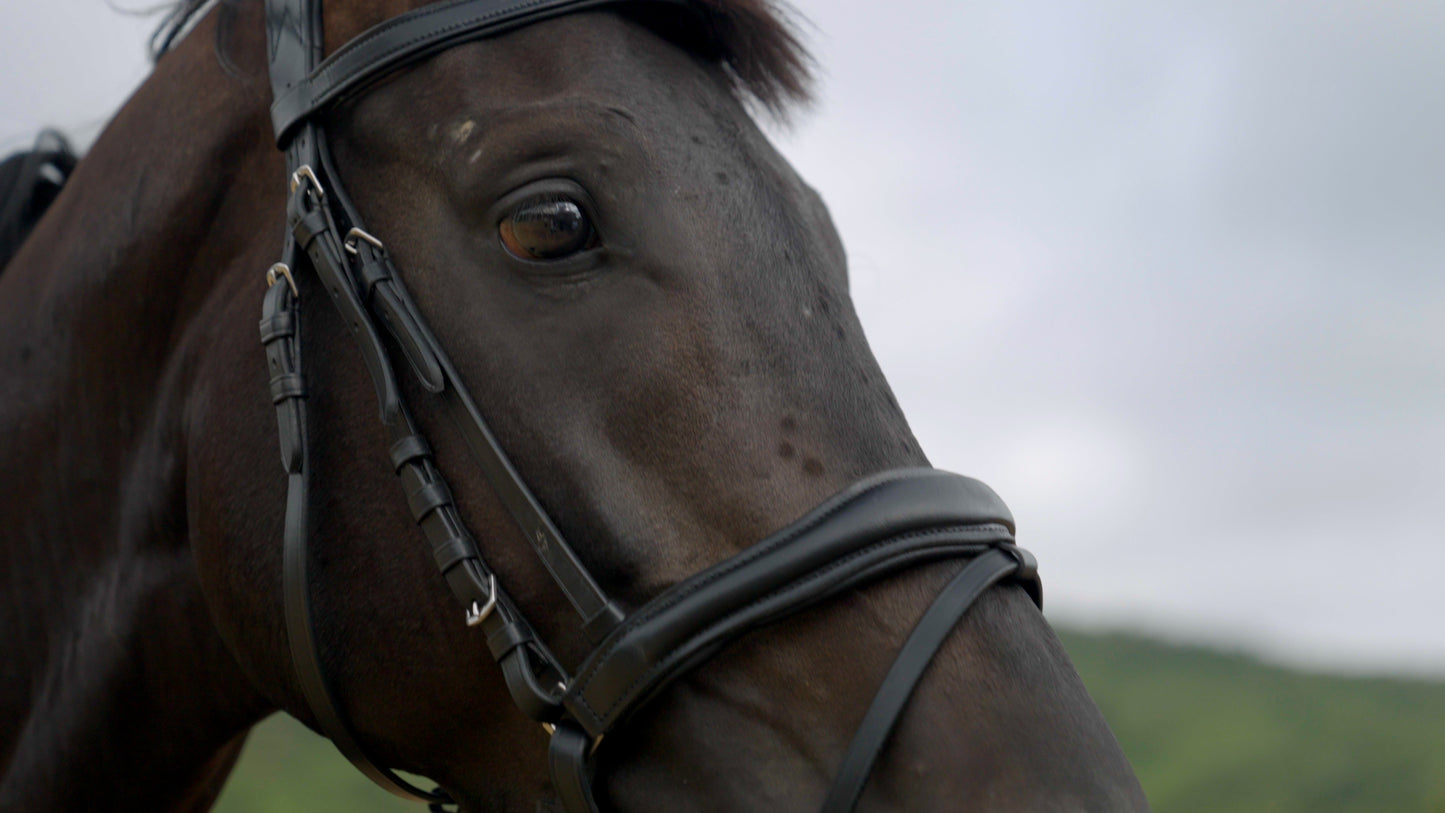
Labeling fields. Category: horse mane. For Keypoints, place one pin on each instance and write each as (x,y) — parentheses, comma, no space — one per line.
(755,41)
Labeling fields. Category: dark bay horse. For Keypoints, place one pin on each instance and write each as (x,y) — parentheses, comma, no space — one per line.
(685,377)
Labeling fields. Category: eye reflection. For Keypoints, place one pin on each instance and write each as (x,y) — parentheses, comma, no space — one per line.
(551,228)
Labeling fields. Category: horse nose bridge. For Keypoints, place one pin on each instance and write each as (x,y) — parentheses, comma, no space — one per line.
(841,422)
(821,406)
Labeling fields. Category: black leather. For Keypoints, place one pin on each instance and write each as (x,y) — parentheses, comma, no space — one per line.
(316,232)
(29,183)
(318,212)
(408,38)
(385,293)
(393,306)
(281,335)
(294,44)
(569,761)
(294,47)
(297,74)
(913,659)
(875,527)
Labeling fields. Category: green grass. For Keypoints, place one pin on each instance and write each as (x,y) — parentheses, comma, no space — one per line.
(1206,731)
(1211,732)
(287,769)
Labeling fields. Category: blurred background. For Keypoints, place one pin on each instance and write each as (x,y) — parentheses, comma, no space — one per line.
(1170,276)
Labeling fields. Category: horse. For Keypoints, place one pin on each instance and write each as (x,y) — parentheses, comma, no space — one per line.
(670,359)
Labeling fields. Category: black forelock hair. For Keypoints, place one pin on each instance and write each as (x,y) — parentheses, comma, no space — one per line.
(755,41)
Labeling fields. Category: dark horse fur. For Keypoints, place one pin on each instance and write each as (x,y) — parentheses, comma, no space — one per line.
(694,383)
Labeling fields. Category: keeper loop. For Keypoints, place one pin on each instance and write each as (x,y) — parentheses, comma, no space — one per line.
(408,449)
(287,385)
(428,498)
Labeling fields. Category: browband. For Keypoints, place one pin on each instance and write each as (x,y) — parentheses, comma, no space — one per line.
(409,38)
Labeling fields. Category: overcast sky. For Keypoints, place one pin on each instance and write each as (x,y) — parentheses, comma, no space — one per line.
(1169,275)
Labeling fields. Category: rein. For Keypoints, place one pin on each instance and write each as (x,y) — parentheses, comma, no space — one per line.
(874,528)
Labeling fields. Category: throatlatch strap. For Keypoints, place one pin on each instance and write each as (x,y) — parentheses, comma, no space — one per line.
(281,334)
(294,47)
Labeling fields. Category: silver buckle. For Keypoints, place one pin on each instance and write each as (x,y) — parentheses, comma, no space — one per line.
(477,613)
(360,236)
(279,271)
(305,172)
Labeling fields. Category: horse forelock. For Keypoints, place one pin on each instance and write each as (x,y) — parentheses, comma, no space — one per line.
(756,41)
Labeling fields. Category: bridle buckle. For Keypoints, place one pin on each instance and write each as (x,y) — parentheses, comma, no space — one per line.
(477,613)
(306,173)
(356,236)
(282,271)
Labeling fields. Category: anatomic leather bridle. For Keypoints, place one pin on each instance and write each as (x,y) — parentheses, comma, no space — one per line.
(874,528)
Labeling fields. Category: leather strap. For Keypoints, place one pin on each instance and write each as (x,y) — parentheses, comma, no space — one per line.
(294,43)
(392,303)
(281,334)
(315,230)
(875,527)
(404,40)
(318,211)
(569,757)
(913,659)
(598,612)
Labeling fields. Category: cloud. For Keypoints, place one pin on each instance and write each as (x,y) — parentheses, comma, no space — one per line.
(1195,251)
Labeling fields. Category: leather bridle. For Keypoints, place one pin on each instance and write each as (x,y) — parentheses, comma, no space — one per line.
(874,528)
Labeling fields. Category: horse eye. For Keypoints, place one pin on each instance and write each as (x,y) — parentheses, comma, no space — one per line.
(550,228)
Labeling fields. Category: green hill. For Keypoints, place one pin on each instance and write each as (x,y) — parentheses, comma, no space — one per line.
(1206,731)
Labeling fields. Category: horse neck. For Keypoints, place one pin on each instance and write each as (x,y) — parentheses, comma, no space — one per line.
(115,689)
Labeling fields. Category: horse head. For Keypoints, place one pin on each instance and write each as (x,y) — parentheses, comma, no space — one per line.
(651,310)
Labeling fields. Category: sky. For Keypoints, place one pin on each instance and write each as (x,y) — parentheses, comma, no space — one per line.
(1168,274)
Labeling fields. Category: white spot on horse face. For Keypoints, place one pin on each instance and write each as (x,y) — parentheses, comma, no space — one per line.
(463,131)
(475,156)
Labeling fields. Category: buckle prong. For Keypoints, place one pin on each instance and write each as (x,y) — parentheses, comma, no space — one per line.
(477,613)
(305,172)
(279,271)
(360,236)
